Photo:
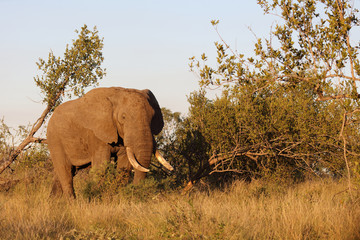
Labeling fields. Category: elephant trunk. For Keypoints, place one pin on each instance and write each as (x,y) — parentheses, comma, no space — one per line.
(139,151)
(132,159)
(143,154)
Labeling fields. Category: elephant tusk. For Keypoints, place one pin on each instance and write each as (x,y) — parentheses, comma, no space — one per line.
(162,160)
(134,162)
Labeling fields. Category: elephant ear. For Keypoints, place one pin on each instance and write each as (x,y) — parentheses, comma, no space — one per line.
(96,114)
(157,122)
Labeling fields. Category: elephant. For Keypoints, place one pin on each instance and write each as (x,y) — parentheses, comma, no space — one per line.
(101,123)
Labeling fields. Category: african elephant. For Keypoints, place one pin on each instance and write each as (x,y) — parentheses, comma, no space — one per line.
(102,122)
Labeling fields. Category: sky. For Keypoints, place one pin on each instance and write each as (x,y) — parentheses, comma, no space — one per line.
(147,44)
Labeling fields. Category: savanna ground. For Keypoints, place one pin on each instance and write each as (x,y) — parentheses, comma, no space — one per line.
(315,209)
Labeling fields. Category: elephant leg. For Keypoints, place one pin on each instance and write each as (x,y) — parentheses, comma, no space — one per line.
(64,179)
(100,158)
(123,165)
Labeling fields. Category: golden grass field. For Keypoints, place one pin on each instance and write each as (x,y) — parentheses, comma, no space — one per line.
(311,210)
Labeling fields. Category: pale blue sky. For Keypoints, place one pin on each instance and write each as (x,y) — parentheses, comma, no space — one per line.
(147,44)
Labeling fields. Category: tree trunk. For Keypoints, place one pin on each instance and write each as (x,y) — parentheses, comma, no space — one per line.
(29,139)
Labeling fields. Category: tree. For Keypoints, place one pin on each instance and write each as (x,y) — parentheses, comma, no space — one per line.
(168,142)
(294,106)
(79,68)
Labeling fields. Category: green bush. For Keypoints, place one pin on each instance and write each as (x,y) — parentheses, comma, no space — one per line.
(288,111)
(102,183)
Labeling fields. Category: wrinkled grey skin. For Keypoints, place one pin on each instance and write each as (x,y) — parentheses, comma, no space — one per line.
(102,122)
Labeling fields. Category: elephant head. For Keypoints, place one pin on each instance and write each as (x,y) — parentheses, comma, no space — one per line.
(129,118)
(104,121)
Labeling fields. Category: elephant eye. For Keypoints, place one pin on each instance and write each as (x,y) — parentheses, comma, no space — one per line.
(121,118)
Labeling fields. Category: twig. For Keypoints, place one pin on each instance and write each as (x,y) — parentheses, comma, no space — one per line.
(345,154)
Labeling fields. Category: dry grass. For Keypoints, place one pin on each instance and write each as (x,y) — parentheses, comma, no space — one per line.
(311,210)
